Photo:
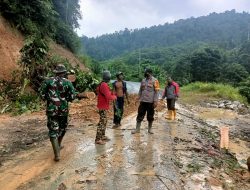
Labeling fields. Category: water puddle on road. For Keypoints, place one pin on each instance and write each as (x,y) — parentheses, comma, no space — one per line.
(216,113)
(239,147)
(241,151)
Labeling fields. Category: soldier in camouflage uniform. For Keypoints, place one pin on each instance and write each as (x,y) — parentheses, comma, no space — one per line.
(57,91)
(148,97)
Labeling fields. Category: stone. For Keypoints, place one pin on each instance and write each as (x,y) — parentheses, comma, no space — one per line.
(222,105)
(214,106)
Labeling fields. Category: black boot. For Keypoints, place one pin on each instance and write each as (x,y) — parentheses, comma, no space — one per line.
(150,124)
(138,126)
(56,148)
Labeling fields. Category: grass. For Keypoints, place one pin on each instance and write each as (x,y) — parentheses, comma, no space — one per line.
(197,92)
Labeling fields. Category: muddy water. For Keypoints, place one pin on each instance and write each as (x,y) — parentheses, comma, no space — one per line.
(140,161)
(228,118)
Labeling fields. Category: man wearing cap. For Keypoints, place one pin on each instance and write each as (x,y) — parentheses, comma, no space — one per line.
(57,91)
(120,89)
(148,97)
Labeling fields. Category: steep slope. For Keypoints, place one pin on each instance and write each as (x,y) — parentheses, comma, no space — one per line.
(11,41)
(56,49)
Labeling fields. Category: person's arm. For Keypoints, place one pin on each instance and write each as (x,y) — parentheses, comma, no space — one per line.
(113,88)
(163,94)
(105,90)
(43,90)
(139,93)
(71,92)
(156,92)
(126,92)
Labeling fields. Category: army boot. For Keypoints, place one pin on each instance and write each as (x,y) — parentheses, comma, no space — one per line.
(138,126)
(56,148)
(150,124)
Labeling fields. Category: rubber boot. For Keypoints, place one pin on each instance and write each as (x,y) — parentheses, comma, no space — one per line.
(56,148)
(138,126)
(150,124)
(174,114)
(60,142)
(168,115)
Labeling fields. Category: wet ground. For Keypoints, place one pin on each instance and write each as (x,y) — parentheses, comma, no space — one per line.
(180,155)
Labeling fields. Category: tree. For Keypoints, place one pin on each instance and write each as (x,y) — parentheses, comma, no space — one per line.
(206,65)
(234,73)
(244,55)
(182,71)
(69,11)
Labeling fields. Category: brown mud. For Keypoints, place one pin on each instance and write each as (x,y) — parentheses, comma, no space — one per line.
(184,154)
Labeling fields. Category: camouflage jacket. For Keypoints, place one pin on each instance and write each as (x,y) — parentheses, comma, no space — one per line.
(57,91)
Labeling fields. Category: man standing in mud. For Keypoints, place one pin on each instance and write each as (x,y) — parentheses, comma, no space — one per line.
(57,91)
(104,96)
(120,89)
(148,97)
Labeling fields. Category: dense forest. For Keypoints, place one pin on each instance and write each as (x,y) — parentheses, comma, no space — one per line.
(228,30)
(213,48)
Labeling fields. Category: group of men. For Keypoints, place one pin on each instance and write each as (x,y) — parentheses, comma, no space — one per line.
(58,91)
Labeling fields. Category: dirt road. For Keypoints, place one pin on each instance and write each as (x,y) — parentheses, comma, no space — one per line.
(180,155)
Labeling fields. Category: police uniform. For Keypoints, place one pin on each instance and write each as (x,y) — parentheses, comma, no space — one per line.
(148,95)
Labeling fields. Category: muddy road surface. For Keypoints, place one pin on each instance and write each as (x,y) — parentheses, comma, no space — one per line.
(184,154)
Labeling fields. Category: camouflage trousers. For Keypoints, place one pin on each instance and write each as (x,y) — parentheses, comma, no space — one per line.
(101,127)
(57,126)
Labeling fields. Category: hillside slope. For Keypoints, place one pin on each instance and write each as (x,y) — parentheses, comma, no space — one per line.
(11,42)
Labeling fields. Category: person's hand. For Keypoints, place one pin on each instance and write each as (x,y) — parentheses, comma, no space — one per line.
(155,104)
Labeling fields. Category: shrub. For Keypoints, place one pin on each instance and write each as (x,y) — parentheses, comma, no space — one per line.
(85,81)
(216,90)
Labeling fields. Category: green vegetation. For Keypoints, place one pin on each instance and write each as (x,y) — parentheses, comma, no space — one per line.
(86,81)
(212,48)
(39,21)
(194,92)
(46,18)
(228,30)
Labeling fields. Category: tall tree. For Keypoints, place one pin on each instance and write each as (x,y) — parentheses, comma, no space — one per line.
(69,11)
(206,65)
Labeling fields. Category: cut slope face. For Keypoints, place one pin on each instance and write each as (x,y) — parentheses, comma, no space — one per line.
(56,49)
(11,41)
